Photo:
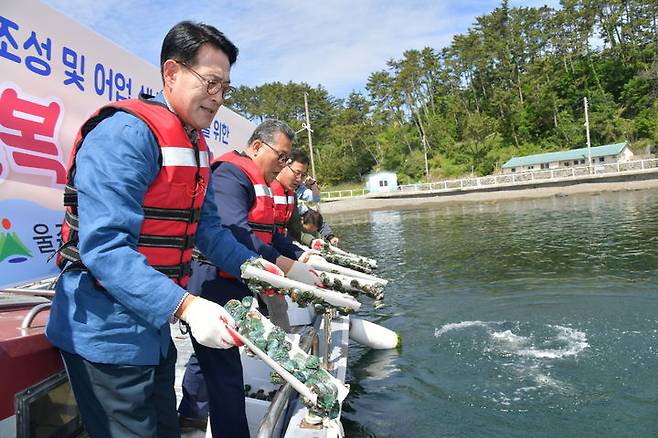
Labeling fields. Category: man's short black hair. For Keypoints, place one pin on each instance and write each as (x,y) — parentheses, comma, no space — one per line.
(312,217)
(183,41)
(299,156)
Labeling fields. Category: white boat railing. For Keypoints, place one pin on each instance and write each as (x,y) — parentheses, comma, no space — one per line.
(511,179)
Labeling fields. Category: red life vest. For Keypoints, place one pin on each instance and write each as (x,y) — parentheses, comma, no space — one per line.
(284,203)
(261,213)
(172,204)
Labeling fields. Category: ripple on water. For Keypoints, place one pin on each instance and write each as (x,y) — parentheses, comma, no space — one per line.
(515,361)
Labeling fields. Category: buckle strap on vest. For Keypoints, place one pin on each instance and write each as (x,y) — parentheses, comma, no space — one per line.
(70,196)
(70,251)
(189,216)
(71,220)
(72,254)
(267,228)
(183,242)
(173,214)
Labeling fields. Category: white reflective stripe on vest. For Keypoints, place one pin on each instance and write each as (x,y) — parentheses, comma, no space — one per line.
(262,190)
(284,200)
(184,157)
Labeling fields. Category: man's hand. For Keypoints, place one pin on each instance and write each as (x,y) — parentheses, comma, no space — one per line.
(317,244)
(304,273)
(304,258)
(334,241)
(208,323)
(309,181)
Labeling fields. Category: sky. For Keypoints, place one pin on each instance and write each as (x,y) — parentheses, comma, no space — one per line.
(333,43)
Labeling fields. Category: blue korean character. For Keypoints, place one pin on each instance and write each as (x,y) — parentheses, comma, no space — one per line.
(206,132)
(70,59)
(225,132)
(101,79)
(35,63)
(6,25)
(216,129)
(121,85)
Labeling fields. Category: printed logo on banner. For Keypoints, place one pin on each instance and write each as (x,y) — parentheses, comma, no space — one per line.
(12,248)
(29,134)
(29,235)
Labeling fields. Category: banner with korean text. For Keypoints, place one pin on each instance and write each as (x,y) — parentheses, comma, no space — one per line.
(54,73)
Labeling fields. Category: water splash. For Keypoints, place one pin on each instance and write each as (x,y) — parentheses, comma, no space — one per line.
(557,342)
(458,325)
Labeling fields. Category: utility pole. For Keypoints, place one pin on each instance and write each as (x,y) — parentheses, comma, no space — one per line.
(589,146)
(308,131)
(427,168)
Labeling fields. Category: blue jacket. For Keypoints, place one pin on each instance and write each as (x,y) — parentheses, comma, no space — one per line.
(127,322)
(305,194)
(235,192)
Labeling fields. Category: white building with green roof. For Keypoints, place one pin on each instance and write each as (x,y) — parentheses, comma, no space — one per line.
(607,154)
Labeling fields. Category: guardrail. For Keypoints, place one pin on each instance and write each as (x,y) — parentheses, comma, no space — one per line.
(343,193)
(577,172)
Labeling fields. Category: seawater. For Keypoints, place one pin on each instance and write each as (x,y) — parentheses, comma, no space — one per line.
(518,318)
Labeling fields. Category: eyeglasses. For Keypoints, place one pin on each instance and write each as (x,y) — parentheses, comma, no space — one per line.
(212,86)
(298,173)
(282,156)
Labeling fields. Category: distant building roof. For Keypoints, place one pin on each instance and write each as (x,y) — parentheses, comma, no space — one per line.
(573,154)
(381,172)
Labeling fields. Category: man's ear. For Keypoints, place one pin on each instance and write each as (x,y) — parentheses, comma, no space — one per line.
(170,71)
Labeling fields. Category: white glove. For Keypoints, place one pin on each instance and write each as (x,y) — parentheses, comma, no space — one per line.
(208,323)
(317,244)
(307,256)
(304,273)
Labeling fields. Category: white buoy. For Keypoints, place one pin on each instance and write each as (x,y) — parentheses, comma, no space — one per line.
(373,335)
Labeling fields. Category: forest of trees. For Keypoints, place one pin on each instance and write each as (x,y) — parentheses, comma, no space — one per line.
(513,85)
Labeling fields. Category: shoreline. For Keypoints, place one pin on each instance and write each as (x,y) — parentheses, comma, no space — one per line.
(364,203)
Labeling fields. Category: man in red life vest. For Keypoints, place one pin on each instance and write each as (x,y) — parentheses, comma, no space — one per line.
(138,198)
(241,184)
(284,187)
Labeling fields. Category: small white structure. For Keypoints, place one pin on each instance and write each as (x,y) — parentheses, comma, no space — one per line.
(384,181)
(610,153)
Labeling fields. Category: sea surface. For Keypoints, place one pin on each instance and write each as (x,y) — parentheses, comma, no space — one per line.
(518,318)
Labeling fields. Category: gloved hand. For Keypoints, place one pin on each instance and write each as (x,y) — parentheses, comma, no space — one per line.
(304,273)
(208,321)
(317,244)
(307,256)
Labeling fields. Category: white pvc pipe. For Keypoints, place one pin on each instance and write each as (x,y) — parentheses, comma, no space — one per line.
(294,382)
(323,265)
(332,248)
(346,279)
(332,297)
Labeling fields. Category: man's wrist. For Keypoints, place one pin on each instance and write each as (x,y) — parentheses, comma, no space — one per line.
(184,302)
